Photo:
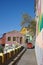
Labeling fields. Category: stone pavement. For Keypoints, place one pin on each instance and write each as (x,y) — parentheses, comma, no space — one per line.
(28,58)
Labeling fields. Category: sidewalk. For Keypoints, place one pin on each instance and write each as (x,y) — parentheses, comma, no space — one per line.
(28,58)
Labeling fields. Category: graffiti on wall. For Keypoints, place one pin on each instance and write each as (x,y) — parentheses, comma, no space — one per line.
(40,23)
(40,16)
(39,37)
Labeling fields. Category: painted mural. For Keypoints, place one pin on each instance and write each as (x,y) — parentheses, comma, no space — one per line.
(40,23)
(39,31)
(40,16)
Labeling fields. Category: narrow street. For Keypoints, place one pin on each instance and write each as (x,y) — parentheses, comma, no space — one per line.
(28,58)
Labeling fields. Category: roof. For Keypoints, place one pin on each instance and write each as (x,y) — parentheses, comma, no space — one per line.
(24,27)
(14,31)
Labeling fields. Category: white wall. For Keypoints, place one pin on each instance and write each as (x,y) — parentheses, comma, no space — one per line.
(41,6)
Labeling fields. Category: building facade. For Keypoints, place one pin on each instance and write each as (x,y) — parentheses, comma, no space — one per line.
(39,31)
(39,15)
(26,32)
(12,37)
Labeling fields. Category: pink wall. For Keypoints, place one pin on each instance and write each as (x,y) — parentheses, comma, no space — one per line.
(4,39)
(13,34)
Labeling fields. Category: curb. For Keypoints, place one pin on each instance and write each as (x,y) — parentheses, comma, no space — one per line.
(17,58)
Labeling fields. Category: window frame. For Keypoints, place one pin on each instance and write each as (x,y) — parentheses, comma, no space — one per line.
(14,38)
(9,38)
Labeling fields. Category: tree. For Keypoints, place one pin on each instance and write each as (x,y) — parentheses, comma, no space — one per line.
(32,26)
(26,20)
(29,23)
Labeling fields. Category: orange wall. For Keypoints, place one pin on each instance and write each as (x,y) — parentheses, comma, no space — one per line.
(2,40)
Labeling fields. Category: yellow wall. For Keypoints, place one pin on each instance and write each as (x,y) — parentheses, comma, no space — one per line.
(23,31)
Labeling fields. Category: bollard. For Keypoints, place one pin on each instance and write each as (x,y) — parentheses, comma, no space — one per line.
(1,58)
(5,57)
(9,54)
(19,49)
(12,53)
(16,51)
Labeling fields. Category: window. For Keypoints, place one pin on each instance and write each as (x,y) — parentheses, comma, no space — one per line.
(14,38)
(9,38)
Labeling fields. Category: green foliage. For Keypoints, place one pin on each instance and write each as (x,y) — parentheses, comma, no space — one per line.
(1,49)
(26,20)
(33,26)
(29,23)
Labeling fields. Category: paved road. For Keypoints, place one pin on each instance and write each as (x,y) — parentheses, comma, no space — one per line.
(28,58)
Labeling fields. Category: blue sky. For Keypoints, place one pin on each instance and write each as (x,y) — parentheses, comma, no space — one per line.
(11,12)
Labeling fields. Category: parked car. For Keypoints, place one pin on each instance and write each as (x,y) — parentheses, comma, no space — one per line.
(30,45)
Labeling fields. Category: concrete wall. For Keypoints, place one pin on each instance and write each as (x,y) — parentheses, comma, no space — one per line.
(39,28)
(41,6)
(39,16)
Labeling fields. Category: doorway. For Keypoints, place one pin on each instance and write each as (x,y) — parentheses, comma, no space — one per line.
(20,40)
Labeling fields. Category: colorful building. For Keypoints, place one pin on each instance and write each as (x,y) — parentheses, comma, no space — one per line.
(23,30)
(26,32)
(39,31)
(39,15)
(11,38)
